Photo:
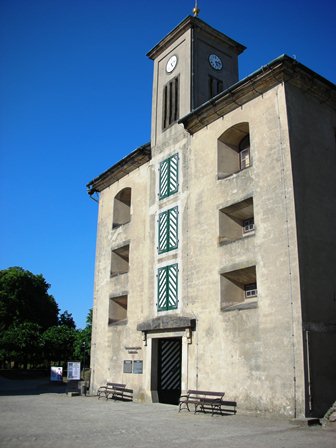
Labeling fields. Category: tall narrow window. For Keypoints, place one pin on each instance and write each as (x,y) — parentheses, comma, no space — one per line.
(215,86)
(244,152)
(122,207)
(170,102)
(233,150)
(168,230)
(168,288)
(168,184)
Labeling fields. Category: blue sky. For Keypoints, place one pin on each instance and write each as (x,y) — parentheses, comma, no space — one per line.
(75,97)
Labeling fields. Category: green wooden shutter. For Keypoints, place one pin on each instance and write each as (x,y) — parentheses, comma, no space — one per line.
(173,174)
(168,184)
(164,179)
(172,230)
(168,230)
(168,288)
(163,232)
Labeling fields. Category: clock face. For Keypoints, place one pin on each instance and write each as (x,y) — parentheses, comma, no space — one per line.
(215,62)
(171,64)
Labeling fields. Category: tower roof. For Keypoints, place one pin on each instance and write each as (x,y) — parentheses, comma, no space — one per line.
(192,22)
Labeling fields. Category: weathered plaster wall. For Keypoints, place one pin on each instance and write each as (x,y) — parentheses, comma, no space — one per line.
(313,152)
(253,354)
(109,340)
(262,352)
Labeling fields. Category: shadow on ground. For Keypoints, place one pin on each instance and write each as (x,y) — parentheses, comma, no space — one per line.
(24,383)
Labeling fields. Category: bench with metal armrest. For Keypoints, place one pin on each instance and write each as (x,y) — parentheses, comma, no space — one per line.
(109,388)
(204,400)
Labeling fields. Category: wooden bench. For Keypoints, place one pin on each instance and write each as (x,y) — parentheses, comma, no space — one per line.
(110,389)
(121,393)
(204,400)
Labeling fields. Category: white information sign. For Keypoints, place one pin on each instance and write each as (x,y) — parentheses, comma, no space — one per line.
(73,370)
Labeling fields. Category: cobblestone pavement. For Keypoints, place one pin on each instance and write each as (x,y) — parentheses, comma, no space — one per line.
(37,418)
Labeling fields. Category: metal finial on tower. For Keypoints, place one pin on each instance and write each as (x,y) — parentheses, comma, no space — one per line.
(196,10)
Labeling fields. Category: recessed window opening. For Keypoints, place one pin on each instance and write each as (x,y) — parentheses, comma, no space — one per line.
(233,150)
(170,103)
(236,221)
(238,287)
(215,86)
(122,207)
(120,260)
(118,309)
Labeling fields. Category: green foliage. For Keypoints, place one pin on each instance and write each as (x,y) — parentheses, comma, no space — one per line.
(82,347)
(30,330)
(58,342)
(24,298)
(67,320)
(89,319)
(22,343)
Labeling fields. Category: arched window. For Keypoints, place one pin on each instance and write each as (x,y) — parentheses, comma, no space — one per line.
(233,150)
(122,207)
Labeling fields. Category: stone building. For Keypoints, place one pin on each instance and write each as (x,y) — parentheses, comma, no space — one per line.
(216,248)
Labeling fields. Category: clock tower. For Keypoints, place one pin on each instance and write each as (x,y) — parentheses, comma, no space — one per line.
(192,64)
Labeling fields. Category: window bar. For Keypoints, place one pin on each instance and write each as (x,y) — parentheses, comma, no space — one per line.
(176,98)
(165,99)
(170,95)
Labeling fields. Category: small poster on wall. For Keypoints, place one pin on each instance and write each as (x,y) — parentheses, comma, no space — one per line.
(56,373)
(128,366)
(73,370)
(137,367)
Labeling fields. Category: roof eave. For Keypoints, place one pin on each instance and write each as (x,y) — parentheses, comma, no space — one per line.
(132,161)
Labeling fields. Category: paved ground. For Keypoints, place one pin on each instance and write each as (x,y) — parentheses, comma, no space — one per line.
(35,416)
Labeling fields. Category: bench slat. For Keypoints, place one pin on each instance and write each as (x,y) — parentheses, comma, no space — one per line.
(117,391)
(205,399)
(108,388)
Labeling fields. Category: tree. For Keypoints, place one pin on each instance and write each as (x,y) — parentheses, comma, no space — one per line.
(30,330)
(24,298)
(89,319)
(82,346)
(59,343)
(67,320)
(21,344)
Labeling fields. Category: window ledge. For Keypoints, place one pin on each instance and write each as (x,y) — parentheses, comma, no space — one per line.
(117,226)
(116,323)
(221,176)
(117,274)
(241,306)
(223,241)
